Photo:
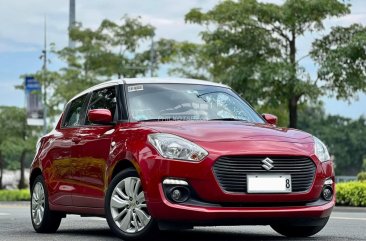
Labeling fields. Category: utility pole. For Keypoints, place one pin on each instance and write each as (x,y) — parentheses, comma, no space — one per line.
(72,21)
(152,58)
(44,69)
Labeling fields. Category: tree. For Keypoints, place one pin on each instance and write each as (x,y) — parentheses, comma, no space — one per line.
(17,140)
(186,59)
(111,50)
(342,135)
(341,56)
(252,46)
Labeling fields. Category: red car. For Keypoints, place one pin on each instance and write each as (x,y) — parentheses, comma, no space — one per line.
(151,154)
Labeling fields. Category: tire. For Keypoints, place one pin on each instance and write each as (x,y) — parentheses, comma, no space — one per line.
(50,221)
(125,206)
(299,231)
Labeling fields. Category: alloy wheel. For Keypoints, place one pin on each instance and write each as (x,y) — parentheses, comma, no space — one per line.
(38,203)
(128,206)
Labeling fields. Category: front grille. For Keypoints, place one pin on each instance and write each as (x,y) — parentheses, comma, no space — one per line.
(231,171)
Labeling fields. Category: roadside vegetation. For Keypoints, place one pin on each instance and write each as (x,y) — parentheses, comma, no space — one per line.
(14,195)
(348,194)
(351,194)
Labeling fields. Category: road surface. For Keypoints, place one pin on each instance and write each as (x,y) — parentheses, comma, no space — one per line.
(15,224)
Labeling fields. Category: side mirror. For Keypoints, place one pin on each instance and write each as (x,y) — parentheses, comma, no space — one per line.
(271,119)
(100,116)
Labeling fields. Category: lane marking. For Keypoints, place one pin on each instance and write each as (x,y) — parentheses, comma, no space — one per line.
(4,214)
(13,206)
(347,218)
(96,219)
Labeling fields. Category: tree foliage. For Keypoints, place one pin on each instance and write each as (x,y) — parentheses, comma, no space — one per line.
(186,59)
(341,56)
(17,140)
(110,50)
(343,136)
(113,49)
(252,46)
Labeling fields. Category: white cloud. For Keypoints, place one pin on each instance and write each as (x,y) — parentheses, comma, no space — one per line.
(22,21)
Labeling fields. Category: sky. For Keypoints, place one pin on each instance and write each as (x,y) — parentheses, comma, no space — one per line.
(22,24)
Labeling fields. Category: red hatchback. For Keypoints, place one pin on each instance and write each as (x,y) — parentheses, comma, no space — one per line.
(151,154)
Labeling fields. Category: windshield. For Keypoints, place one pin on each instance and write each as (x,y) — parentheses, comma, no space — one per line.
(182,102)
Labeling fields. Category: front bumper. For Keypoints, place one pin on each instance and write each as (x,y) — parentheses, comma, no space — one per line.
(199,215)
(228,208)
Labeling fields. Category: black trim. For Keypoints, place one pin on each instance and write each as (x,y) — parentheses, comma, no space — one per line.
(195,200)
(65,112)
(85,107)
(122,102)
(295,221)
(231,171)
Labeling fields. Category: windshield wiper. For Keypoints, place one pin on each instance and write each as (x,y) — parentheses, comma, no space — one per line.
(159,119)
(227,119)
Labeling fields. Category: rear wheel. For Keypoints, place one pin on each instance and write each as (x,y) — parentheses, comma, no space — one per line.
(43,219)
(125,208)
(299,231)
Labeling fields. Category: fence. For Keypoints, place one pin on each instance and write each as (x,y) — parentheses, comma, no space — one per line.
(339,179)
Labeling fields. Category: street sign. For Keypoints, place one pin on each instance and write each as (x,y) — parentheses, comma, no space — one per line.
(33,94)
(32,84)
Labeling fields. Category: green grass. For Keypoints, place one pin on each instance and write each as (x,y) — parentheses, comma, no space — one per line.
(15,195)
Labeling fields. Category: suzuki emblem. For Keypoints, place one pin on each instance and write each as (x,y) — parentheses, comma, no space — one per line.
(267,164)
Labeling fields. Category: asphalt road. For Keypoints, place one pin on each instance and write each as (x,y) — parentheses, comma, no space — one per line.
(15,224)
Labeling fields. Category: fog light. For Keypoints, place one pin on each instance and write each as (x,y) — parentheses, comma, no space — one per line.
(176,195)
(179,194)
(327,193)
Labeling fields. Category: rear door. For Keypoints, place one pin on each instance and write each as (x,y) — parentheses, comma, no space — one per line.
(96,145)
(63,152)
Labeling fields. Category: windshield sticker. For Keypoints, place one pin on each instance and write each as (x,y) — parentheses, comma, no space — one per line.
(135,88)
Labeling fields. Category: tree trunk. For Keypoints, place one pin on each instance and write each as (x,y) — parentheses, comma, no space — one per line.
(1,170)
(22,184)
(292,107)
(293,99)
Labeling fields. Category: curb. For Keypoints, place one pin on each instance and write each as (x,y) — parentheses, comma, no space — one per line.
(349,209)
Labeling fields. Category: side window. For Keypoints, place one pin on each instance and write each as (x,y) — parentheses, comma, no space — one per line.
(74,113)
(103,99)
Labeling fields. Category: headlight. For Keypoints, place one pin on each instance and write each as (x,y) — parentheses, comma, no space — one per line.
(321,150)
(175,147)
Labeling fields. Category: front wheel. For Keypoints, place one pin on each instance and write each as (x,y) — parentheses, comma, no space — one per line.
(299,231)
(43,219)
(125,208)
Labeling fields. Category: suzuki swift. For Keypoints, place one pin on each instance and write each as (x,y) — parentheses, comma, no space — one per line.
(150,154)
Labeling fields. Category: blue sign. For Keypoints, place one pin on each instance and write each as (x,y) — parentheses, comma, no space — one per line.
(33,95)
(31,84)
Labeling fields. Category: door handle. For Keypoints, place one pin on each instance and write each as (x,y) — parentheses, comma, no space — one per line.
(76,139)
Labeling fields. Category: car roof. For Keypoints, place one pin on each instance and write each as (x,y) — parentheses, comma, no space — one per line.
(167,80)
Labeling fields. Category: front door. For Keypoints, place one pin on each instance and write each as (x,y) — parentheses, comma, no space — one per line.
(95,144)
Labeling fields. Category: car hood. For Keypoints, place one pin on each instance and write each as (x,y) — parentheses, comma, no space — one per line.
(226,131)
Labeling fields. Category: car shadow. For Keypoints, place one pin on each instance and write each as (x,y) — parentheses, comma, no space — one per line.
(217,235)
(211,234)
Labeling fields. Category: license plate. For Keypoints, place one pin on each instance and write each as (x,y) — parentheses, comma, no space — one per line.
(269,183)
